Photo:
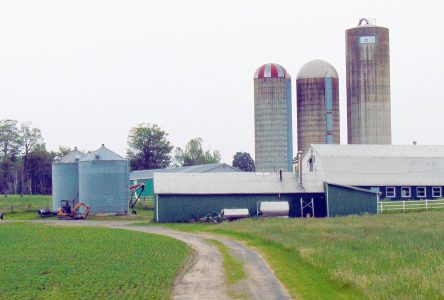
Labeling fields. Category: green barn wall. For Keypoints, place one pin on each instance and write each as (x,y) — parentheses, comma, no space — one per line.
(343,201)
(149,187)
(181,208)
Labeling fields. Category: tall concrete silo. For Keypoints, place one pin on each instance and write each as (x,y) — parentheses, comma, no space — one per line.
(272,119)
(104,181)
(317,104)
(368,84)
(65,178)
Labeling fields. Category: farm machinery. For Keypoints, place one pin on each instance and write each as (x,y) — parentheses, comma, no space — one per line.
(70,210)
(135,193)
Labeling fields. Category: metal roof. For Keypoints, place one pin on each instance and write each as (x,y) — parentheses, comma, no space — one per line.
(317,69)
(102,153)
(207,168)
(72,157)
(379,165)
(226,183)
(271,70)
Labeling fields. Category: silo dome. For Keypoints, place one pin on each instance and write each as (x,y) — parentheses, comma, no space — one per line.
(317,68)
(104,181)
(271,70)
(65,178)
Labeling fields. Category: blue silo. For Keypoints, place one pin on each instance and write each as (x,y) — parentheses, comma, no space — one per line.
(65,178)
(104,182)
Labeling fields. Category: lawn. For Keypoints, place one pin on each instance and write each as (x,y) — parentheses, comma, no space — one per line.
(47,262)
(377,257)
(25,208)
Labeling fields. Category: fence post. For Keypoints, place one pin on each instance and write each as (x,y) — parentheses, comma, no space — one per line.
(382,206)
(427,205)
(403,205)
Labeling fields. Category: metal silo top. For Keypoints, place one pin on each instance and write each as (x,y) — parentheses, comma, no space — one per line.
(317,69)
(271,71)
(102,154)
(72,157)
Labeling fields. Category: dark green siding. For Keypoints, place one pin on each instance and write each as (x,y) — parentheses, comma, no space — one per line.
(343,201)
(181,208)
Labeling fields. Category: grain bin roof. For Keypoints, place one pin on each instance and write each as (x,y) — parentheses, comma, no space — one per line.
(226,183)
(379,165)
(317,69)
(207,168)
(72,157)
(102,154)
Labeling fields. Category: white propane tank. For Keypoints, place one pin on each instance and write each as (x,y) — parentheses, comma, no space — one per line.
(274,209)
(235,213)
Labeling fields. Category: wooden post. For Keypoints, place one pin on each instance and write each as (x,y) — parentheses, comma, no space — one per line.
(403,204)
(427,205)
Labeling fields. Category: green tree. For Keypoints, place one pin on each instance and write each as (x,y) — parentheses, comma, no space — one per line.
(30,140)
(244,162)
(194,154)
(148,147)
(9,147)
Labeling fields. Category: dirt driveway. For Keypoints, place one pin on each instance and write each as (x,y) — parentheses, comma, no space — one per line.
(203,277)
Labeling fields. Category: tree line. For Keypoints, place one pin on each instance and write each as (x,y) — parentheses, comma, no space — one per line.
(26,164)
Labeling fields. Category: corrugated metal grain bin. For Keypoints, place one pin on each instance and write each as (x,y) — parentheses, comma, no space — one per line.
(65,178)
(104,182)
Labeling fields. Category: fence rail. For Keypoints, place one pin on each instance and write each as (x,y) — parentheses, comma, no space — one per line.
(408,205)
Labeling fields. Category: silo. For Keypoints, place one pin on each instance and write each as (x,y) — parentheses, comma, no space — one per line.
(317,104)
(65,178)
(104,181)
(272,119)
(368,84)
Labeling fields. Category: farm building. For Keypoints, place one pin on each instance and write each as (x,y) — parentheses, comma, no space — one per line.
(181,197)
(397,172)
(146,176)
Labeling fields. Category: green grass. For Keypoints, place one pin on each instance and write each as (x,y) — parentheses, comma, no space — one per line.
(376,257)
(48,262)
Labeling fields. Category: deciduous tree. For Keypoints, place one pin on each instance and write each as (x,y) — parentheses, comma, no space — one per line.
(243,161)
(194,154)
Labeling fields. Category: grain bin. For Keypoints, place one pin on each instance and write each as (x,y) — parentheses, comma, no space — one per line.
(104,182)
(368,84)
(317,104)
(273,119)
(65,178)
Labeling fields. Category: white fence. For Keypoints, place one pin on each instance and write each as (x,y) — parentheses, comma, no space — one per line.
(408,205)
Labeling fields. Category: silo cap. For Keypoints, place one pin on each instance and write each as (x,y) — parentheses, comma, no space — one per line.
(271,70)
(72,157)
(317,68)
(102,153)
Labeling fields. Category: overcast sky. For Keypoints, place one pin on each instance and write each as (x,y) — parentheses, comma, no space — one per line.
(85,72)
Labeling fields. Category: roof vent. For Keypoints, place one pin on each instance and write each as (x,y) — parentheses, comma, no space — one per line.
(97,156)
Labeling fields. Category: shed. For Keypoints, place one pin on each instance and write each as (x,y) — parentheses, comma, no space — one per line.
(146,176)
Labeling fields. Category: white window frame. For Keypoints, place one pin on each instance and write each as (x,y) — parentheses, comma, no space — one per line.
(433,192)
(387,191)
(406,188)
(418,188)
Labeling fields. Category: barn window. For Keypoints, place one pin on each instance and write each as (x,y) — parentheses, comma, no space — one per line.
(436,191)
(390,192)
(421,192)
(406,192)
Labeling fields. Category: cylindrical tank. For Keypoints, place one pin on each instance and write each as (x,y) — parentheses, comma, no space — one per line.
(272,119)
(274,209)
(65,178)
(317,104)
(104,182)
(368,84)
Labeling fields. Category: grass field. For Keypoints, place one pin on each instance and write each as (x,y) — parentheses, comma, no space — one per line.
(25,208)
(377,257)
(47,262)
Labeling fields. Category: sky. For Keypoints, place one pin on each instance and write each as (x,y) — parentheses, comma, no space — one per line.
(86,72)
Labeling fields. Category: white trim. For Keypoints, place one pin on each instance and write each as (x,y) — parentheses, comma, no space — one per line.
(424,192)
(157,208)
(433,192)
(386,191)
(407,188)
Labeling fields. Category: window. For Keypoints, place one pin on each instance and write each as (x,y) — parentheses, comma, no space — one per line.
(436,191)
(421,192)
(390,192)
(406,192)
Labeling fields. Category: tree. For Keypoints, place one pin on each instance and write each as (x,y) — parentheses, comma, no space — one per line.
(148,147)
(30,140)
(244,162)
(195,155)
(9,145)
(63,150)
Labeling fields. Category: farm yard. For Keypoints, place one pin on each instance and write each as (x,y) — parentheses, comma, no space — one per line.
(47,262)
